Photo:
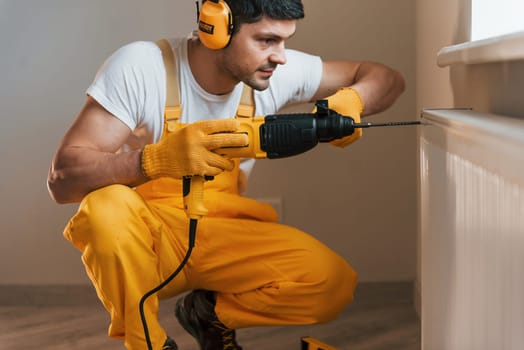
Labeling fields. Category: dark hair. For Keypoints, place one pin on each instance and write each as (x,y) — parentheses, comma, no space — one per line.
(251,11)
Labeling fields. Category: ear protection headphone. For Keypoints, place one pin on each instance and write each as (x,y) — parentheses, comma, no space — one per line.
(215,24)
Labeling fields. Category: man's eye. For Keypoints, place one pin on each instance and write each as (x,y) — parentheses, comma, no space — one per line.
(267,41)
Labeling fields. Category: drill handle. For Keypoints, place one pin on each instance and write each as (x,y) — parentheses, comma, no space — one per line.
(193,192)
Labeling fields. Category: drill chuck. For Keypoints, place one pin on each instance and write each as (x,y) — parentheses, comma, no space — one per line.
(288,135)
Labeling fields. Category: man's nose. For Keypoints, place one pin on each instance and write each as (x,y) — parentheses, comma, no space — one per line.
(278,55)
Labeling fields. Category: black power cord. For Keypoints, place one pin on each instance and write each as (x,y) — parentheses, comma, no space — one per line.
(191,244)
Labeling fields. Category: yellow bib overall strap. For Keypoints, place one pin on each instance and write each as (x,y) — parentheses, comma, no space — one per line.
(173,108)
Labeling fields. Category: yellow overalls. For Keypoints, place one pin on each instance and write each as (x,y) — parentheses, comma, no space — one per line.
(264,273)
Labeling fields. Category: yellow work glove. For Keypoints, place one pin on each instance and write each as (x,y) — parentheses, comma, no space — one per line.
(347,101)
(189,150)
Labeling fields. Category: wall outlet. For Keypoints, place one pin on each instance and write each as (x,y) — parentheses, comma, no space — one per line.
(275,202)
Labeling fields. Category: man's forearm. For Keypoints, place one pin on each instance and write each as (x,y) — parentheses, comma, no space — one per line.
(378,85)
(77,171)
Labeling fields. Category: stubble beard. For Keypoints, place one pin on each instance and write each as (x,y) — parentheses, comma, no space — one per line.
(257,84)
(248,78)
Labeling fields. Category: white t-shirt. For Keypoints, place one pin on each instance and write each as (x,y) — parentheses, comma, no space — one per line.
(131,84)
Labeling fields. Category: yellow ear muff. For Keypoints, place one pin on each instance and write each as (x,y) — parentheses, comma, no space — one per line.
(215,24)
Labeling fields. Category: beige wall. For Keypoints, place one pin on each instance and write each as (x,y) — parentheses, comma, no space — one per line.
(50,53)
(360,200)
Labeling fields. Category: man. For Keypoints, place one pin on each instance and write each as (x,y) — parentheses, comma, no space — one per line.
(125,168)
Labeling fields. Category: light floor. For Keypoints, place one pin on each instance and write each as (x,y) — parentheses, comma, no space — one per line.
(381,317)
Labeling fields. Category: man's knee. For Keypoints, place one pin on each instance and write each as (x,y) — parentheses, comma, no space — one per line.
(336,284)
(101,214)
(110,204)
(111,197)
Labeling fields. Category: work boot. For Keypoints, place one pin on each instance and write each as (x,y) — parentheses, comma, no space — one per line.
(196,313)
(170,345)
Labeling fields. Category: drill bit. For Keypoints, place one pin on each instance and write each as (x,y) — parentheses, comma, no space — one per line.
(369,125)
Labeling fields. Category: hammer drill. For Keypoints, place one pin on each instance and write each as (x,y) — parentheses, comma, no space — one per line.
(279,136)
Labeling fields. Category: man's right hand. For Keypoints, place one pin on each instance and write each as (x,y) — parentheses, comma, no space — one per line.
(189,150)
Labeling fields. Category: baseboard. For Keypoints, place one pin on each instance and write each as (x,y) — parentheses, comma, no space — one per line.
(63,295)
